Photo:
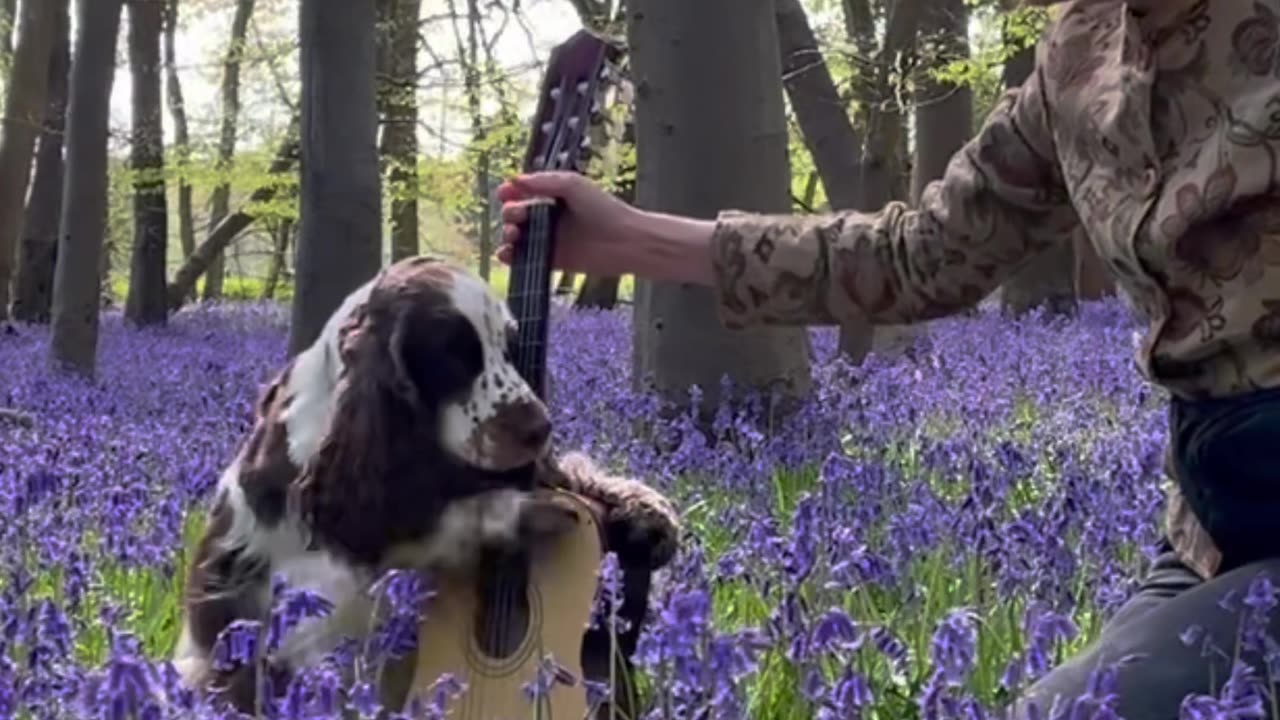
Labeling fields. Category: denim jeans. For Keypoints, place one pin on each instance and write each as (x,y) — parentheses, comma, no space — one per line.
(1151,627)
(1226,456)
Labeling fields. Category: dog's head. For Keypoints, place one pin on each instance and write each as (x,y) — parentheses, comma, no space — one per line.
(433,340)
(425,395)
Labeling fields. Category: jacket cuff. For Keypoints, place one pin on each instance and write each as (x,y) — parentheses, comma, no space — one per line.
(769,269)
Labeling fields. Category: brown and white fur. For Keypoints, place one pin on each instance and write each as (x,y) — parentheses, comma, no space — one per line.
(386,444)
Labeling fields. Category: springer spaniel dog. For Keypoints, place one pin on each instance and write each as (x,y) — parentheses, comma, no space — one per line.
(388,444)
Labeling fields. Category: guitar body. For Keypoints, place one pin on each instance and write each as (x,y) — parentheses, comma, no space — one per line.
(548,617)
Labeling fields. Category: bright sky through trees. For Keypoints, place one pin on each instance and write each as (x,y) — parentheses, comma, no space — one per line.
(202,38)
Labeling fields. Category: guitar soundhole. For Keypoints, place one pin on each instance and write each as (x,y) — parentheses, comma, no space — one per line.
(502,621)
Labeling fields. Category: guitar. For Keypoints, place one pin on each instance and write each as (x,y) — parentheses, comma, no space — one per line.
(493,632)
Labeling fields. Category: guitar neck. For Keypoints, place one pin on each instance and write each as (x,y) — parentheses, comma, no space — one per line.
(529,296)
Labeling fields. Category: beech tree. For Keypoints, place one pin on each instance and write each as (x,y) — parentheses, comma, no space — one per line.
(229,92)
(711,133)
(24,110)
(37,250)
(181,131)
(398,95)
(339,244)
(77,279)
(943,109)
(145,304)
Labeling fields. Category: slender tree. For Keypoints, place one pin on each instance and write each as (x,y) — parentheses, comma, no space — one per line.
(711,133)
(181,133)
(220,199)
(37,251)
(24,110)
(943,110)
(184,280)
(828,133)
(77,280)
(7,15)
(339,246)
(469,53)
(145,303)
(400,130)
(823,116)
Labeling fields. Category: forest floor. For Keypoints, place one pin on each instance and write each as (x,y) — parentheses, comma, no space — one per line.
(971,512)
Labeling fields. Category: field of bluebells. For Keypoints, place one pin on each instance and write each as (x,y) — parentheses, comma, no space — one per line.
(926,536)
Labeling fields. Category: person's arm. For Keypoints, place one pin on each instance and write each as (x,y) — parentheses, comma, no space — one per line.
(1001,202)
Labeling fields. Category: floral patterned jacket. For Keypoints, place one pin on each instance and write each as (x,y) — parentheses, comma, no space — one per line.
(1155,126)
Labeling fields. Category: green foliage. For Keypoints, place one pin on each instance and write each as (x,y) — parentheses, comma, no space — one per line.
(1002,35)
(446,184)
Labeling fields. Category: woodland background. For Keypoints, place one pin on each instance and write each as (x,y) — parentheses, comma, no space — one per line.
(188,189)
(160,140)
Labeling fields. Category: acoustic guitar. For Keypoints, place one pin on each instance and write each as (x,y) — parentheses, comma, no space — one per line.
(493,632)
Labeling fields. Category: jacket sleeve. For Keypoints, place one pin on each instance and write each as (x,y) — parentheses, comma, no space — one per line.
(1001,202)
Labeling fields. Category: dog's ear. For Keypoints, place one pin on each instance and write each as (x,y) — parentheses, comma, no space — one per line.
(433,349)
(344,489)
(410,341)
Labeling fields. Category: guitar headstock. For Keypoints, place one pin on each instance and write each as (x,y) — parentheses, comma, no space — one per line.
(581,74)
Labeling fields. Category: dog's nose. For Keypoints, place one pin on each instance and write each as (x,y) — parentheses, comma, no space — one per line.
(528,424)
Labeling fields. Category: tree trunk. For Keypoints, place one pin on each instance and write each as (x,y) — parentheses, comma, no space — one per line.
(184,281)
(1045,280)
(822,115)
(882,172)
(828,133)
(944,112)
(8,13)
(943,120)
(598,293)
(24,111)
(219,201)
(881,177)
(181,134)
(565,283)
(145,304)
(711,134)
(470,55)
(339,247)
(279,253)
(400,131)
(601,293)
(37,252)
(77,279)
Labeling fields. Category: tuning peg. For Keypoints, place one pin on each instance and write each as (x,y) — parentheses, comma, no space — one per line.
(585,145)
(582,87)
(574,122)
(539,162)
(555,94)
(562,157)
(546,128)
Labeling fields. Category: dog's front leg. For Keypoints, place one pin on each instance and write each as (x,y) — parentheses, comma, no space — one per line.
(494,520)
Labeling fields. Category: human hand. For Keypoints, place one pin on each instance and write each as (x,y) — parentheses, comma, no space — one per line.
(595,231)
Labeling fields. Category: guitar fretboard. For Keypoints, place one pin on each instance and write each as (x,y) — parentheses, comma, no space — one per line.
(529,297)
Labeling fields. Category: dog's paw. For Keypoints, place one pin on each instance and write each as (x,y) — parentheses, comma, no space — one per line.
(644,533)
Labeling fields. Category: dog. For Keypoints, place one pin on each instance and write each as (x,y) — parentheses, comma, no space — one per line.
(391,442)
